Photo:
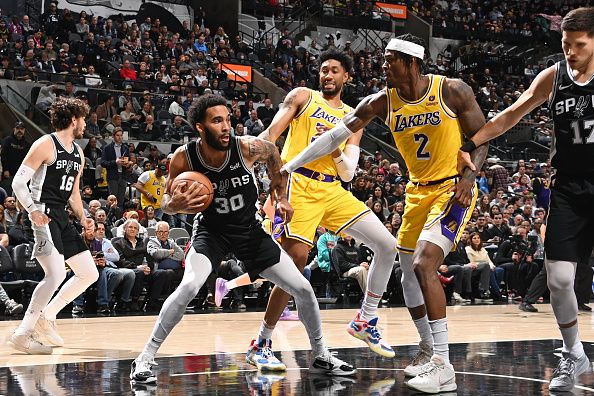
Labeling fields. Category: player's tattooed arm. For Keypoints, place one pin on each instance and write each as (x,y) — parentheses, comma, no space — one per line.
(292,105)
(460,98)
(259,150)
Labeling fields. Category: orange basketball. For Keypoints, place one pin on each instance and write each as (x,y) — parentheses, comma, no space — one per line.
(204,185)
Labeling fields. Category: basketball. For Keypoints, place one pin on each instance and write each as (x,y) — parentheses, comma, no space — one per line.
(205,185)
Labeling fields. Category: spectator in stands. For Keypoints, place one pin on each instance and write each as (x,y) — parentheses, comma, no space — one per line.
(5,68)
(127,72)
(266,113)
(128,114)
(116,122)
(347,258)
(10,211)
(497,173)
(11,307)
(115,211)
(149,220)
(133,255)
(127,97)
(106,110)
(480,263)
(92,129)
(14,150)
(378,196)
(166,253)
(254,125)
(325,244)
(151,185)
(115,160)
(17,233)
(454,264)
(46,96)
(92,79)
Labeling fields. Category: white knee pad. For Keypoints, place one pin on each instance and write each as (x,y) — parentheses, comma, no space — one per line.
(413,296)
(560,277)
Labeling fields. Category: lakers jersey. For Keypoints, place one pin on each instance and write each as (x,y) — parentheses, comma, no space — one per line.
(153,185)
(317,116)
(427,133)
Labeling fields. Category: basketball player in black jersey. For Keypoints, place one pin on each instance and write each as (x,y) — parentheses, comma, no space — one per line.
(54,166)
(568,86)
(229,225)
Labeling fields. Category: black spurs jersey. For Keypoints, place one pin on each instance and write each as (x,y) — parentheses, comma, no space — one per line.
(234,184)
(572,106)
(52,183)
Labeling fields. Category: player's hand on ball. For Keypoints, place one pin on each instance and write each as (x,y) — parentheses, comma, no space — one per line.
(464,161)
(463,192)
(39,219)
(190,200)
(285,210)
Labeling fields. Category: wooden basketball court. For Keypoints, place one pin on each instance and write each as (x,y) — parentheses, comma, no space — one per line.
(496,349)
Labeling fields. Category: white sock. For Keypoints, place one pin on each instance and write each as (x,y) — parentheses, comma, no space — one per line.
(319,348)
(232,284)
(571,341)
(31,316)
(265,332)
(424,330)
(439,330)
(369,307)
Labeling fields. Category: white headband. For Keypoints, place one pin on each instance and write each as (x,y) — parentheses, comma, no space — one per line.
(406,47)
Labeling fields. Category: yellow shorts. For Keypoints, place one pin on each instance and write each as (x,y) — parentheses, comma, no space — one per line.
(320,203)
(430,214)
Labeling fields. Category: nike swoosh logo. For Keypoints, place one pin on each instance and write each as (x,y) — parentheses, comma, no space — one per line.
(60,152)
(563,87)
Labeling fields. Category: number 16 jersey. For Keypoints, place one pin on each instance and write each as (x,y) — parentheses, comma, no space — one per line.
(52,183)
(427,133)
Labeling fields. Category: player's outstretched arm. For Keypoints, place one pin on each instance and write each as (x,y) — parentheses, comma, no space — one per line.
(41,151)
(538,93)
(292,105)
(370,107)
(259,150)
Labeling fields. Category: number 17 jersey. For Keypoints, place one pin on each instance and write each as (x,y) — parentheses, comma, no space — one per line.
(52,183)
(572,106)
(426,132)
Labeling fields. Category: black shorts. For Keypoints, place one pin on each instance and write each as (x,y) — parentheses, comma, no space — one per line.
(60,232)
(570,225)
(251,245)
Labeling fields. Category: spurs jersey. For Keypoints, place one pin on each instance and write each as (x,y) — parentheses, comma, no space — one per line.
(316,116)
(572,106)
(52,183)
(234,185)
(427,133)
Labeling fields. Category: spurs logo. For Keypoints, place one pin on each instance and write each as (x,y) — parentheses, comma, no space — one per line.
(580,107)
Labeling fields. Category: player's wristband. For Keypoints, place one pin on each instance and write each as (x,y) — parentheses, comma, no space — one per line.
(468,147)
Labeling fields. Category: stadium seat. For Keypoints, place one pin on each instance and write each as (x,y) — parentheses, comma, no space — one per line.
(178,233)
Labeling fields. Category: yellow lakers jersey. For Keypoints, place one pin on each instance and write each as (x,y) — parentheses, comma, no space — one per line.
(156,187)
(427,133)
(316,116)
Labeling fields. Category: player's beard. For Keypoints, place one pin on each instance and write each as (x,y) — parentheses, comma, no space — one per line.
(78,131)
(332,92)
(212,141)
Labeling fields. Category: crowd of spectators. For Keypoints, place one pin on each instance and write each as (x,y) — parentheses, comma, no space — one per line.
(500,252)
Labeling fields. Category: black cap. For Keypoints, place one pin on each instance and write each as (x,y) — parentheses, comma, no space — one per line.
(162,167)
(19,124)
(154,148)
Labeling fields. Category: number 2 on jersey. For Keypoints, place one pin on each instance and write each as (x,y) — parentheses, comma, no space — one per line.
(421,153)
(67,183)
